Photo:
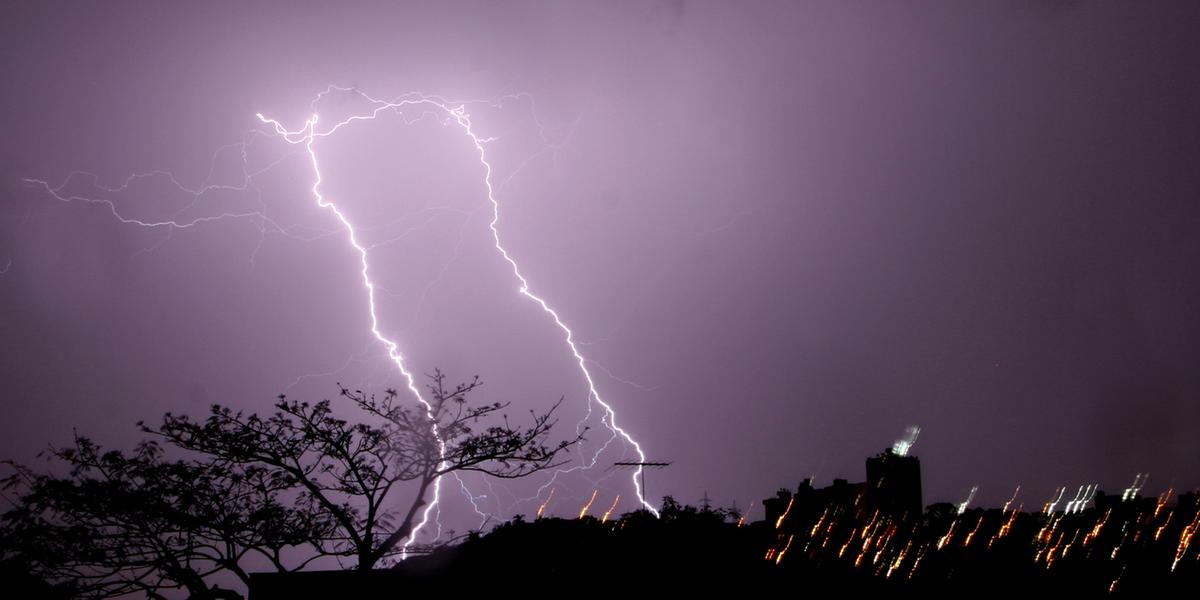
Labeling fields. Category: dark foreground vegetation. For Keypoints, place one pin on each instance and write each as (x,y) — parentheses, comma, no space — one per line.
(210,509)
(198,504)
(1127,549)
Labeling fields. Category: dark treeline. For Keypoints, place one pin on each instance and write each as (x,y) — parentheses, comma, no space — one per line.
(1131,547)
(204,501)
(201,502)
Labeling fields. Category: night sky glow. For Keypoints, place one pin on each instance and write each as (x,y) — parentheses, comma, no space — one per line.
(761,241)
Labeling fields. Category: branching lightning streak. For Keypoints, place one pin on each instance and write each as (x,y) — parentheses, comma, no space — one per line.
(306,138)
(457,114)
(628,382)
(474,500)
(393,348)
(352,359)
(460,116)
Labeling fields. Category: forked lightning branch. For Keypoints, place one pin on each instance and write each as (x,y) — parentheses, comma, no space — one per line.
(309,137)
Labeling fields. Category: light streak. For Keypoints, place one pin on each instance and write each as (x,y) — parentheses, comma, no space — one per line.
(542,509)
(1132,491)
(904,444)
(1012,499)
(1158,532)
(779,521)
(1185,540)
(962,506)
(774,550)
(1084,495)
(1095,532)
(1071,543)
(1073,533)
(815,528)
(899,560)
(1163,498)
(742,517)
(779,558)
(971,536)
(610,510)
(1113,586)
(1117,547)
(916,564)
(1005,528)
(1048,529)
(1049,507)
(586,507)
(849,540)
(945,539)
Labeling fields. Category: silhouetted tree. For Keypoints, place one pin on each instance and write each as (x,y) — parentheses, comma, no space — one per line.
(288,489)
(348,472)
(120,523)
(673,511)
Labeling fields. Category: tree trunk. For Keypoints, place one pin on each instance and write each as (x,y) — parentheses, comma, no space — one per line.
(403,531)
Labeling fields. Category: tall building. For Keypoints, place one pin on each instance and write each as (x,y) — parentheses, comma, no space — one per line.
(894,483)
(893,486)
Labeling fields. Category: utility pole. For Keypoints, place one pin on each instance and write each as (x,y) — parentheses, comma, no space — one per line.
(642,466)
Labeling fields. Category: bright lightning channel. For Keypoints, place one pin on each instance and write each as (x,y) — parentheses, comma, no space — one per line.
(306,138)
(393,349)
(457,114)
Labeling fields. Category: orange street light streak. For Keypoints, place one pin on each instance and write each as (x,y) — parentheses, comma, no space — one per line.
(586,507)
(542,509)
(608,512)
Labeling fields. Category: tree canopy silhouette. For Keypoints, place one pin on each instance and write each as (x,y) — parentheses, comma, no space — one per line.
(291,487)
(350,471)
(120,523)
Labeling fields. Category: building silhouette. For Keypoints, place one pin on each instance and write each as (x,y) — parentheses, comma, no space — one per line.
(893,488)
(894,483)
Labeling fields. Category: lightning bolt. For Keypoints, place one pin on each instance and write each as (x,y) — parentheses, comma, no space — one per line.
(456,114)
(474,500)
(306,138)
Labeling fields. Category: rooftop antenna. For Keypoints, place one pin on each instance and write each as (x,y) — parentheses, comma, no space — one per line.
(642,465)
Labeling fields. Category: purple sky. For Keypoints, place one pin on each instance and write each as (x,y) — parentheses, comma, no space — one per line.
(784,233)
